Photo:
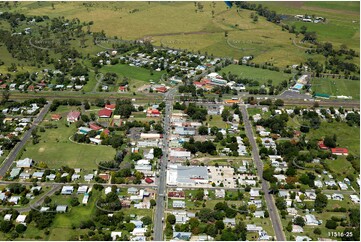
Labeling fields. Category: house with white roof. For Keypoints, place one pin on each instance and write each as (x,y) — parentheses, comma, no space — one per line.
(21,218)
(310,219)
(115,235)
(355,198)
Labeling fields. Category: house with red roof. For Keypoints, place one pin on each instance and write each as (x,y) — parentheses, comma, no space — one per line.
(122,89)
(94,126)
(55,117)
(73,116)
(339,151)
(3,86)
(321,145)
(31,88)
(105,113)
(148,180)
(110,107)
(153,113)
(176,194)
(161,89)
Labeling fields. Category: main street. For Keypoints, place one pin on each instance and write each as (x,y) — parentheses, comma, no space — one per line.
(12,156)
(276,222)
(159,211)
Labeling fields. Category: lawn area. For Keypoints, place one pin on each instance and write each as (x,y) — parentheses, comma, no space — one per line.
(134,73)
(57,150)
(259,74)
(347,137)
(341,167)
(216,121)
(337,87)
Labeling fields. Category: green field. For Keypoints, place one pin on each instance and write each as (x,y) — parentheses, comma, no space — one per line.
(204,30)
(339,15)
(258,74)
(56,150)
(347,137)
(337,87)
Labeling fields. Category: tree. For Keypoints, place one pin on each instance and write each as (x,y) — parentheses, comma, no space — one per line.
(279,102)
(211,230)
(5,226)
(47,200)
(219,225)
(5,96)
(146,220)
(152,202)
(74,201)
(20,228)
(171,219)
(320,202)
(331,224)
(329,142)
(199,195)
(158,152)
(317,231)
(299,221)
(203,130)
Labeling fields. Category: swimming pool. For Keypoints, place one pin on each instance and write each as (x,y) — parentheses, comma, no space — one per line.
(298,86)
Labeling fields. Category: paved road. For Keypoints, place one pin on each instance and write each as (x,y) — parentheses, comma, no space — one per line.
(162,183)
(38,202)
(12,156)
(276,222)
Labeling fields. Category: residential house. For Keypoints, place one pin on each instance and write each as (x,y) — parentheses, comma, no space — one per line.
(67,190)
(7,217)
(220,193)
(105,113)
(115,235)
(297,229)
(339,151)
(229,222)
(25,163)
(310,219)
(21,219)
(182,235)
(73,116)
(61,208)
(179,204)
(259,214)
(337,197)
(355,199)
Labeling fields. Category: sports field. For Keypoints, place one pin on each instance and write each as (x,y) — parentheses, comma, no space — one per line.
(337,87)
(259,74)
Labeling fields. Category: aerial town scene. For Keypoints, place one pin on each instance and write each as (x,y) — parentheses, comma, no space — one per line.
(180,121)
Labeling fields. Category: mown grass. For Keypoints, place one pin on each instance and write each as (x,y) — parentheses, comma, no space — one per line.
(56,150)
(337,87)
(259,74)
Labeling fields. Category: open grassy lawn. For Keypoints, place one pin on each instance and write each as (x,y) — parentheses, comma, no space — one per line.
(347,137)
(341,167)
(337,87)
(57,150)
(339,15)
(259,74)
(205,30)
(216,121)
(132,72)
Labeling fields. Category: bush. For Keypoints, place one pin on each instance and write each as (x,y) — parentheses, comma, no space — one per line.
(331,224)
(20,228)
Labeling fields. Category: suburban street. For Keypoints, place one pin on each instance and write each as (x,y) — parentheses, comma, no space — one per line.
(162,183)
(12,156)
(272,209)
